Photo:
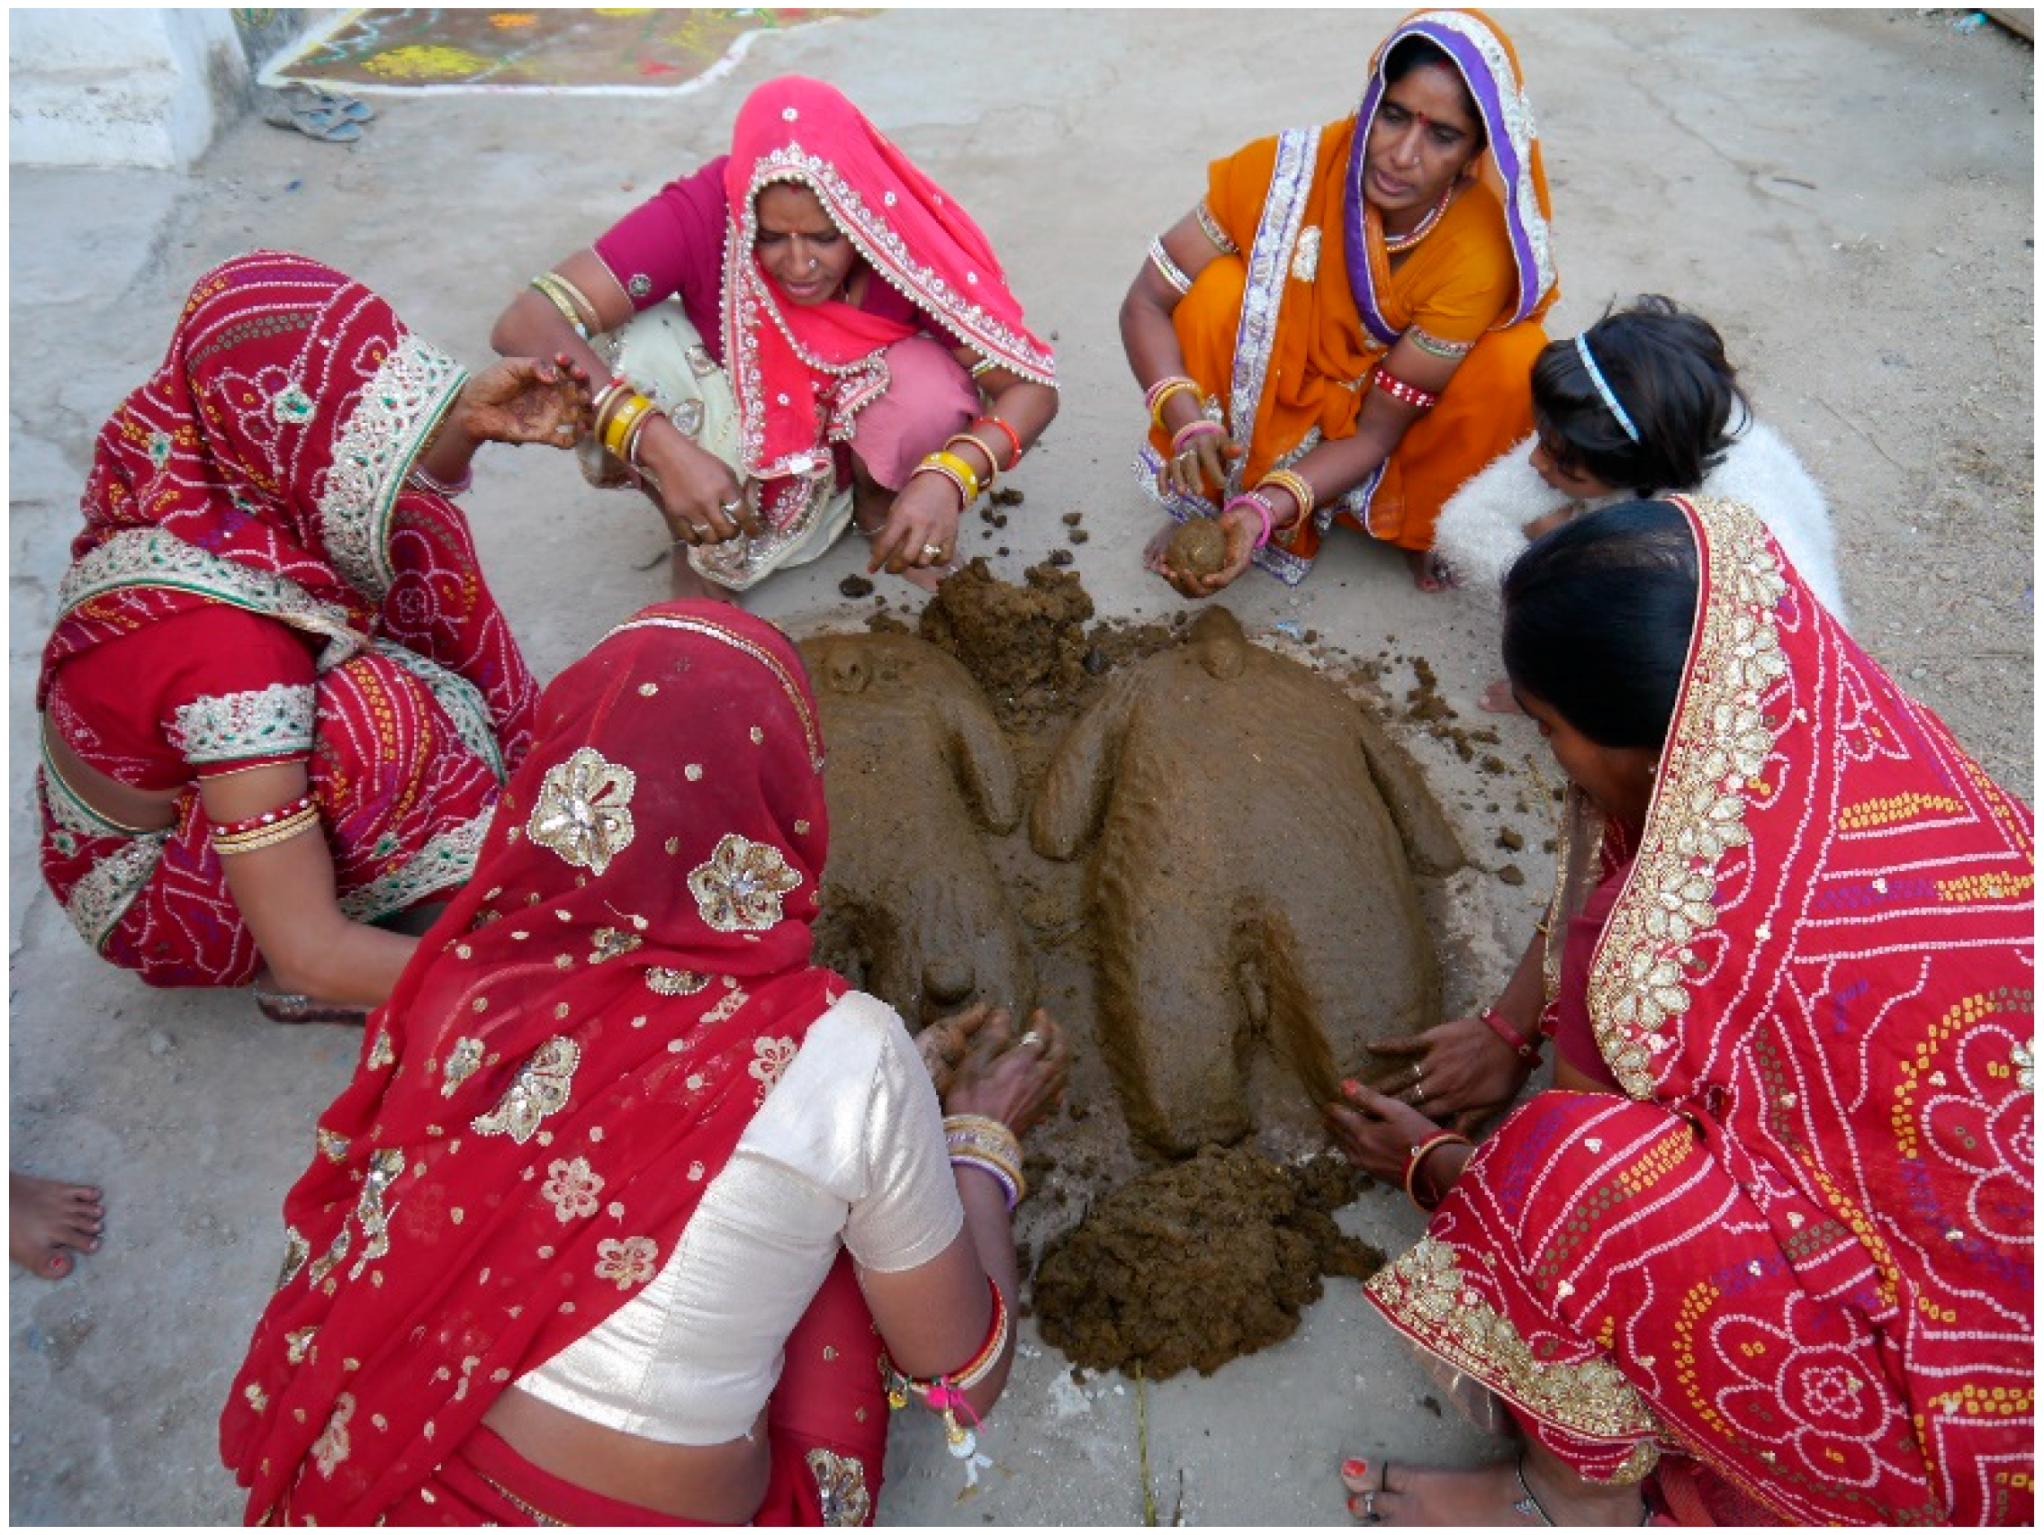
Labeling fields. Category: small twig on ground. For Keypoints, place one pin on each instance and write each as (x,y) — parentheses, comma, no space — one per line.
(1143,1448)
(1871,440)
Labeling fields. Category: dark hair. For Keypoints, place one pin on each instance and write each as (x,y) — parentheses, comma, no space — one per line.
(1669,371)
(1409,53)
(1597,620)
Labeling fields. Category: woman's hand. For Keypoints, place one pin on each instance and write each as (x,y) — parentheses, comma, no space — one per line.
(1204,462)
(1377,1134)
(1459,1070)
(698,495)
(1241,527)
(943,1045)
(1015,1081)
(921,527)
(527,399)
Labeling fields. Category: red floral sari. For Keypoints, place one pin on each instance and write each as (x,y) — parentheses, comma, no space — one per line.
(261,473)
(1797,1253)
(604,1007)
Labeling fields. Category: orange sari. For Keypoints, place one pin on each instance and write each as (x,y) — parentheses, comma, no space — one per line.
(1283,334)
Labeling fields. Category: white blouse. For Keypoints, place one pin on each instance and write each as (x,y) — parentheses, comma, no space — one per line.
(849,1147)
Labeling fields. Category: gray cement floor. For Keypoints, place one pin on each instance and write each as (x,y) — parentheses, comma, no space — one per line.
(1846,194)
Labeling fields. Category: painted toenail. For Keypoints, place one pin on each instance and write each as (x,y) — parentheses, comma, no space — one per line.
(1355,1468)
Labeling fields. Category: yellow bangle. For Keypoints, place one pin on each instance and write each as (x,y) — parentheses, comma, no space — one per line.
(968,476)
(619,426)
(929,466)
(1293,485)
(563,295)
(1169,388)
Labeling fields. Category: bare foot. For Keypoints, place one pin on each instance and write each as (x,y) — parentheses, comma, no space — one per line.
(1498,699)
(1534,1491)
(47,1221)
(1430,572)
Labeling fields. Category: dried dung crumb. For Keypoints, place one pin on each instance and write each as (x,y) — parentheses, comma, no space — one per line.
(1060,556)
(1512,874)
(1006,495)
(856,586)
(1510,840)
(1077,535)
(1195,1264)
(1073,519)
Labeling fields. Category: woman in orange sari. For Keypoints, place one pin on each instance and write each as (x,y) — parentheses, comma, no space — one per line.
(1342,330)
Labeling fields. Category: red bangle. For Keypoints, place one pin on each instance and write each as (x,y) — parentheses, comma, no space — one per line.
(1404,393)
(1417,1158)
(298,806)
(1014,437)
(1525,1046)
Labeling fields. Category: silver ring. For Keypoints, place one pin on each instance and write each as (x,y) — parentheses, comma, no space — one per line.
(1030,1040)
(1419,1094)
(728,508)
(565,429)
(933,551)
(1369,1507)
(1418,1072)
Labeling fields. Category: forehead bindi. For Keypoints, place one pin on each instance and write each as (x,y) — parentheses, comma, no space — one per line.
(1433,93)
(792,210)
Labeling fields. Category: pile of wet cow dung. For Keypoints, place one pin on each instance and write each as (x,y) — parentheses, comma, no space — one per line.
(1198,1263)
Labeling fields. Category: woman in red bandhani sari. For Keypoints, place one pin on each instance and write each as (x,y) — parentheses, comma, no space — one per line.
(593,1235)
(808,330)
(1766,1247)
(279,699)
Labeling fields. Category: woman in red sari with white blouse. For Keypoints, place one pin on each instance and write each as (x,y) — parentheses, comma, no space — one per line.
(632,1214)
(1766,1247)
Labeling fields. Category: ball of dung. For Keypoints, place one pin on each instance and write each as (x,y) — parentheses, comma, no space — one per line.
(1198,548)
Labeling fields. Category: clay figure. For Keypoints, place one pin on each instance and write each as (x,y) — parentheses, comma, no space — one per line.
(912,907)
(1250,885)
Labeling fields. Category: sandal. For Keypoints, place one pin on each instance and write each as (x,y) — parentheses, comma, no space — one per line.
(327,124)
(295,1007)
(304,96)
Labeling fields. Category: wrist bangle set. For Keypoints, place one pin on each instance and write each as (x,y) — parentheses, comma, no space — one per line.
(946,1393)
(620,415)
(1260,506)
(1416,1158)
(1525,1046)
(1155,396)
(989,1146)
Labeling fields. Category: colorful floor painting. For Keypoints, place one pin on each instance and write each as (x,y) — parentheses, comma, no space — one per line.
(601,49)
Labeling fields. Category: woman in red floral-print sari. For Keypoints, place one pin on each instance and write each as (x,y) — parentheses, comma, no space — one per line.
(1767,1246)
(279,699)
(623,1189)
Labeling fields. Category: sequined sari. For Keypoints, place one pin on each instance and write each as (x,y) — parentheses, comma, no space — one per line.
(1795,1254)
(1284,331)
(259,479)
(560,1075)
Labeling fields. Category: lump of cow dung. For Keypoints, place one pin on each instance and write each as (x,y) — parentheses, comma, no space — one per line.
(1198,548)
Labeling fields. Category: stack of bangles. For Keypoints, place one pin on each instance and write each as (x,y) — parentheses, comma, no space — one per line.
(958,469)
(620,414)
(1416,1158)
(570,300)
(987,1144)
(267,829)
(1258,500)
(946,1393)
(1155,396)
(1525,1046)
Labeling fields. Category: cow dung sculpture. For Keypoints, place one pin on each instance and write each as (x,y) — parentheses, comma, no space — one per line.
(913,910)
(1251,883)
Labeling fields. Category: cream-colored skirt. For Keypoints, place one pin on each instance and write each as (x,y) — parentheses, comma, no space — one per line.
(663,357)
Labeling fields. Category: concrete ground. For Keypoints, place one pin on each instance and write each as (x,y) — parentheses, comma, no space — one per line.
(1847,194)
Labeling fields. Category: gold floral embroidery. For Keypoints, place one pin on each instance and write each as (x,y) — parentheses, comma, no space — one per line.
(626,1262)
(385,1168)
(610,942)
(296,1251)
(463,1061)
(571,1188)
(740,888)
(1719,743)
(1423,1292)
(331,1447)
(335,1254)
(298,1342)
(332,1146)
(771,1058)
(840,1487)
(540,1089)
(675,983)
(583,812)
(380,1052)
(1306,254)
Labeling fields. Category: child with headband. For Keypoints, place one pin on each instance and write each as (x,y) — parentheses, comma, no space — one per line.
(1642,403)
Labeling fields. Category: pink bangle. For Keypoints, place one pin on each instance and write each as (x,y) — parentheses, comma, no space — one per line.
(1250,498)
(1200,427)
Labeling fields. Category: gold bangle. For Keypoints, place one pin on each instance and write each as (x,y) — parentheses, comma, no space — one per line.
(1293,485)
(993,476)
(266,836)
(562,296)
(1211,228)
(1170,387)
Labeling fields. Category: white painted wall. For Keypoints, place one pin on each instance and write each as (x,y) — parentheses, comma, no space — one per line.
(100,87)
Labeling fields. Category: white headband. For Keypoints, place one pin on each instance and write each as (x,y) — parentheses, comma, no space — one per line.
(1603,388)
